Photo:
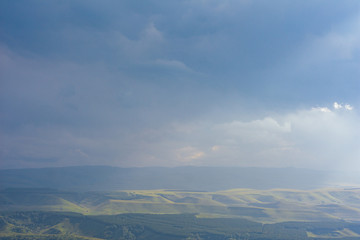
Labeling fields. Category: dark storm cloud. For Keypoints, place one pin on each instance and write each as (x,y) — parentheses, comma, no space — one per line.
(124,83)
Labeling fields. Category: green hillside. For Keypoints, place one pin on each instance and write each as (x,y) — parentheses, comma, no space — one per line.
(56,226)
(265,206)
(174,215)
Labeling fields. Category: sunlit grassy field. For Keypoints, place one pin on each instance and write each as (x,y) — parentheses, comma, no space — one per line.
(265,206)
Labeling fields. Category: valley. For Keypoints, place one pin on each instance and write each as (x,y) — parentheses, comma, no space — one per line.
(265,206)
(173,214)
(176,204)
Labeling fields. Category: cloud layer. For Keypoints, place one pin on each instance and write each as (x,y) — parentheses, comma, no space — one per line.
(245,83)
(320,138)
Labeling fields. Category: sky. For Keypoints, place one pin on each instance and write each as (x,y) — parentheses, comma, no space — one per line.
(248,83)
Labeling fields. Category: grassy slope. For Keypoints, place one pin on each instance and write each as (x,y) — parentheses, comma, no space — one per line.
(56,226)
(257,205)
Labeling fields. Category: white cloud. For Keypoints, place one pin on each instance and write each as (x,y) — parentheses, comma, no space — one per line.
(321,109)
(312,138)
(337,105)
(268,124)
(188,154)
(348,107)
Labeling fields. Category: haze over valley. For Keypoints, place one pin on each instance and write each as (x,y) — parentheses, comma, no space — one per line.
(193,119)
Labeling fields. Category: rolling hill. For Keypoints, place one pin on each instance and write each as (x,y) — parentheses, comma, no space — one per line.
(177,203)
(57,226)
(266,206)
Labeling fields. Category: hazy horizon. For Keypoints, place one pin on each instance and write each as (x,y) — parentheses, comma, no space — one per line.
(180,83)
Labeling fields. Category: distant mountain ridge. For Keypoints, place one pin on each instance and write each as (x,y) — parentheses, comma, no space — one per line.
(95,178)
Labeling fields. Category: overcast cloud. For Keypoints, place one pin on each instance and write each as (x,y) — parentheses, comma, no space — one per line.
(214,83)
